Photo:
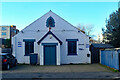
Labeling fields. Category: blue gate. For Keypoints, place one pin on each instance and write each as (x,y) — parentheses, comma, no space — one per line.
(110,58)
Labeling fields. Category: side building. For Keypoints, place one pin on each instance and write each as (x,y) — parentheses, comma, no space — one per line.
(7,32)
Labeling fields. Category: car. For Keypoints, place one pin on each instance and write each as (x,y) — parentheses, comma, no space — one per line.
(8,60)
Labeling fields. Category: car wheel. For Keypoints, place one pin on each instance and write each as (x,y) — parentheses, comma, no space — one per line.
(8,66)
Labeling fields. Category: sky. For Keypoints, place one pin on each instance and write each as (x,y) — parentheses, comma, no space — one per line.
(22,14)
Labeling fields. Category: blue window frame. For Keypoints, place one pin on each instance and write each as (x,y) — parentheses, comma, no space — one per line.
(72,46)
(4,28)
(3,33)
(29,46)
(50,22)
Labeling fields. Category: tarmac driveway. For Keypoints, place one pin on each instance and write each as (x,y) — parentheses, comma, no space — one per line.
(86,71)
(57,69)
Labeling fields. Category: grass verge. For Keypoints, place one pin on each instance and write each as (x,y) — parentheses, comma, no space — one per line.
(112,69)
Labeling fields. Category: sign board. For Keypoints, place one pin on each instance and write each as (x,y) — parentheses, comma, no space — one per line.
(19,44)
(87,45)
(81,49)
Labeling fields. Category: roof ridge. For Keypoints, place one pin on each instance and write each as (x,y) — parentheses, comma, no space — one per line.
(56,15)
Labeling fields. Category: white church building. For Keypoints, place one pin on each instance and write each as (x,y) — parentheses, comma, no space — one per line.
(53,40)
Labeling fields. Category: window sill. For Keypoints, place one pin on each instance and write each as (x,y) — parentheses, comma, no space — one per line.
(72,55)
(27,55)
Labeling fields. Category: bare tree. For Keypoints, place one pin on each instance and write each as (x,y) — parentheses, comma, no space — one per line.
(88,28)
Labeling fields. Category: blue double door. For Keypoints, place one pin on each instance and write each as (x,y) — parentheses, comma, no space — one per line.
(49,54)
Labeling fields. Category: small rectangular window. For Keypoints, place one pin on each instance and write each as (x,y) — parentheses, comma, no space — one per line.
(4,28)
(29,46)
(72,47)
(14,31)
(3,33)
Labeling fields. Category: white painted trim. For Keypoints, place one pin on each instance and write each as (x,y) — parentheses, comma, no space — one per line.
(77,47)
(100,56)
(58,54)
(42,54)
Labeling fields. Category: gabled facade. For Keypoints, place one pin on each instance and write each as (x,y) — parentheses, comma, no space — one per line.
(54,40)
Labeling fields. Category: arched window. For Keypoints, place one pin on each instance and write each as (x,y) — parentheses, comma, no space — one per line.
(50,22)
